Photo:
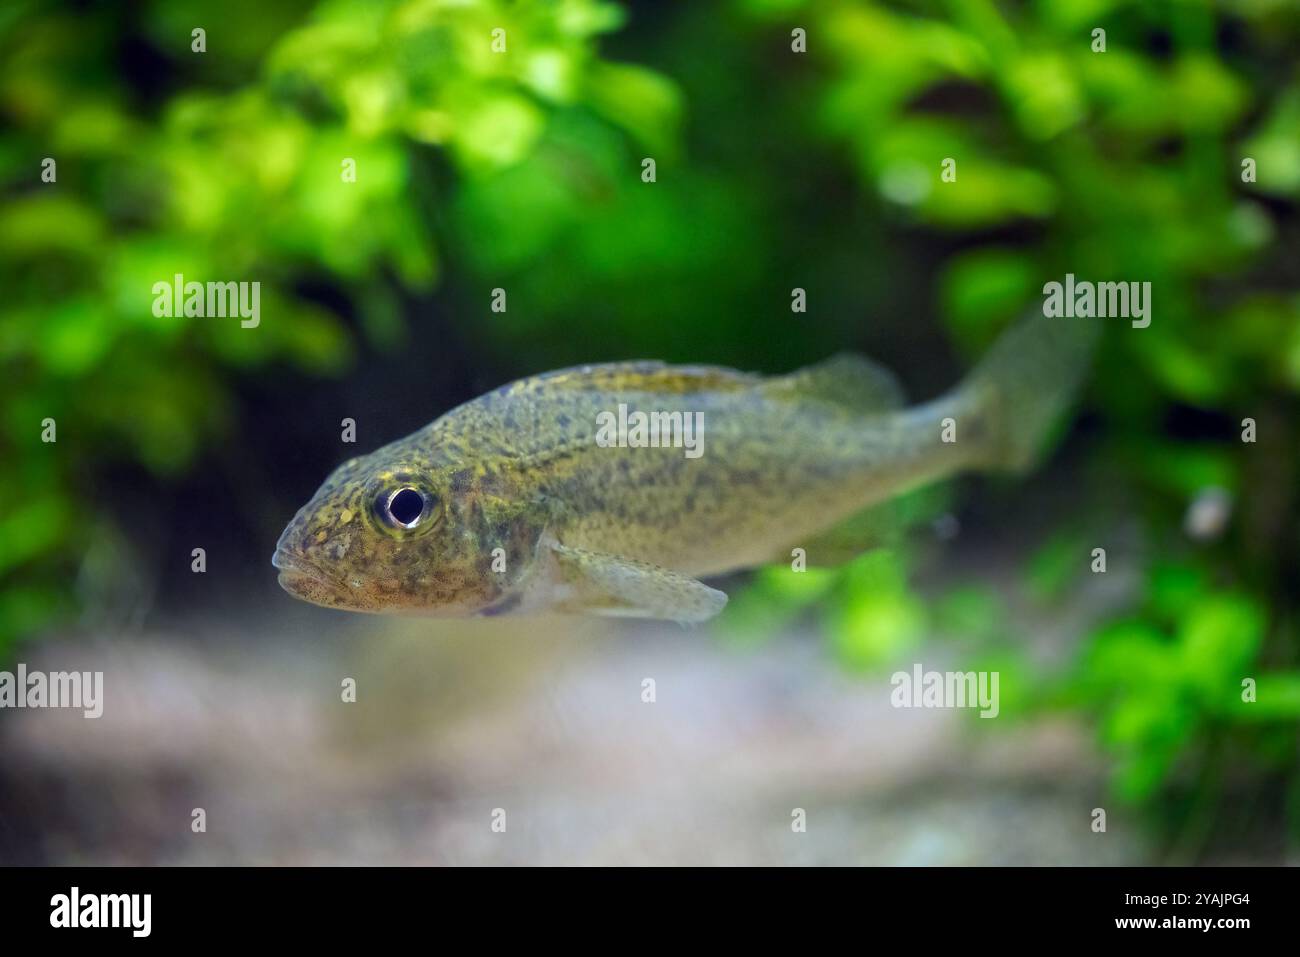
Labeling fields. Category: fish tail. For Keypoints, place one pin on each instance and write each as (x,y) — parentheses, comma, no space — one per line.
(1022,386)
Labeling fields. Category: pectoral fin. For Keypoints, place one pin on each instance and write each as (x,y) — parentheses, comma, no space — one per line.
(598,584)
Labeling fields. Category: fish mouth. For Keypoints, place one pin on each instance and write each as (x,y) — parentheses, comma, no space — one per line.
(302,579)
(286,561)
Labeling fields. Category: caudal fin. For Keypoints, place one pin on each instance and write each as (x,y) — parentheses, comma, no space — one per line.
(1024,383)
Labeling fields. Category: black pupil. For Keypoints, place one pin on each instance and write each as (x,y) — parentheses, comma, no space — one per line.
(405,506)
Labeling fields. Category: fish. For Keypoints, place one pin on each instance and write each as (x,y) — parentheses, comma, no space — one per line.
(551,494)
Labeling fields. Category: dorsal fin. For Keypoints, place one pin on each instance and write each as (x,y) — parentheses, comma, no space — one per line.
(646,376)
(850,381)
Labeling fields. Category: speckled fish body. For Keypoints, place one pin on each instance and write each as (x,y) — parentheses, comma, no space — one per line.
(775,464)
(523,507)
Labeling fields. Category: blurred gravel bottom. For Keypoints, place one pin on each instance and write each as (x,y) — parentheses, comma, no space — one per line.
(542,719)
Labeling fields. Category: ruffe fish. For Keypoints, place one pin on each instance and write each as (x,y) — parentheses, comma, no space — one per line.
(526,499)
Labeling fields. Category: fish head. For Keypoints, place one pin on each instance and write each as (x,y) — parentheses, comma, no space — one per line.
(393,533)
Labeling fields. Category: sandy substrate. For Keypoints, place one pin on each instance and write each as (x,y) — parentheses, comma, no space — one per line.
(544,721)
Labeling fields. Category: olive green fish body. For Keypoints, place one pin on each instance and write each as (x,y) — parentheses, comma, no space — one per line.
(774,466)
(543,494)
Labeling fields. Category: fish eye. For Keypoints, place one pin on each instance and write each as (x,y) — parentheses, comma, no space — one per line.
(403,507)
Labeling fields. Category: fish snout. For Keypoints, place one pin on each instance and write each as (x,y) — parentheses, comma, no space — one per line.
(289,548)
(301,572)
